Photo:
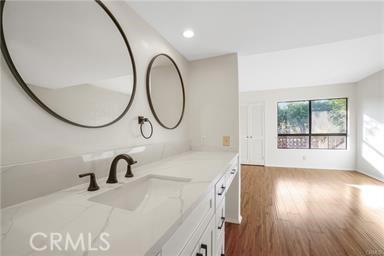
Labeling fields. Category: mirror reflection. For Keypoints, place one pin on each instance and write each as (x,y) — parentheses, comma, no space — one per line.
(165,91)
(72,57)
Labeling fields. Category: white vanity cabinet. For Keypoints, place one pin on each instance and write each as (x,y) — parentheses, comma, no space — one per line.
(220,222)
(202,233)
(206,244)
(231,173)
(174,207)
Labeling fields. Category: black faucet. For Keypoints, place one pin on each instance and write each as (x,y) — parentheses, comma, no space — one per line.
(112,172)
(92,182)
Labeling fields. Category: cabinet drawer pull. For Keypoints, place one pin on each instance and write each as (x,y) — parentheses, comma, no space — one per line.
(205,248)
(222,190)
(222,223)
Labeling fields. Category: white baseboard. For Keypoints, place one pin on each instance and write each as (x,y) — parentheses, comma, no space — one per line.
(370,175)
(234,221)
(307,167)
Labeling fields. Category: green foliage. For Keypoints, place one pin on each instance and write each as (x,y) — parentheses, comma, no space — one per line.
(293,117)
(336,108)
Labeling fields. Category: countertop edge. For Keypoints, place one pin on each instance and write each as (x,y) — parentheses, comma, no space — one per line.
(156,248)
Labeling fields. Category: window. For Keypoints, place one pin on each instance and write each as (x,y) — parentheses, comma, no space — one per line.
(314,124)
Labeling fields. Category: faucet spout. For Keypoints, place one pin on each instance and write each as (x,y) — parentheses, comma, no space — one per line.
(112,172)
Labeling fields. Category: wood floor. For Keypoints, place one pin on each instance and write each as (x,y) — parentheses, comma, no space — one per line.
(293,212)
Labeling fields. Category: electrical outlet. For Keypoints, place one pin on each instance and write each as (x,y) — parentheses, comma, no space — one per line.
(226,141)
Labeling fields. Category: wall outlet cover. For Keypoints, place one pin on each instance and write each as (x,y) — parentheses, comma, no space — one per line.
(226,141)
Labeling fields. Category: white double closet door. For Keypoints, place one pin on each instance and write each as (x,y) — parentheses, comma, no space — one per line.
(252,133)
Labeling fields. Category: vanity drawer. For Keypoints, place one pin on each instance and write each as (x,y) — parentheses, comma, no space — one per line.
(206,245)
(220,251)
(220,189)
(231,173)
(220,220)
(184,240)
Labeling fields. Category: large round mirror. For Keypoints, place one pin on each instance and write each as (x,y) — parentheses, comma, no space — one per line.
(165,91)
(71,57)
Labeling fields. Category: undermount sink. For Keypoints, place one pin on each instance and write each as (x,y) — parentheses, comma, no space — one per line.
(146,192)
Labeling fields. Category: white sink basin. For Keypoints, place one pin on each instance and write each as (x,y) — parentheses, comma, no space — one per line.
(146,192)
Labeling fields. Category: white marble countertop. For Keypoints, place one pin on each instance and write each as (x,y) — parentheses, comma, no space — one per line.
(139,232)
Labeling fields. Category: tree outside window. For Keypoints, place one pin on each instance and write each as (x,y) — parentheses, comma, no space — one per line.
(315,124)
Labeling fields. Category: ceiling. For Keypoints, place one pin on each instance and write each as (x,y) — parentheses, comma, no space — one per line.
(334,63)
(258,27)
(280,44)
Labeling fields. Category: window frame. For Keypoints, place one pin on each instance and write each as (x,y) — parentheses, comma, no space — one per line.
(310,134)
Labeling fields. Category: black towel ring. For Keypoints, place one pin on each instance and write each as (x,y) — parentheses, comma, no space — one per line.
(142,120)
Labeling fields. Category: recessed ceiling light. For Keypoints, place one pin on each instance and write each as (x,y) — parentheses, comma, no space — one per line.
(188,33)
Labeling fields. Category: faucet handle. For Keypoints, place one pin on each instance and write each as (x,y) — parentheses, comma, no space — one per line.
(92,182)
(129,173)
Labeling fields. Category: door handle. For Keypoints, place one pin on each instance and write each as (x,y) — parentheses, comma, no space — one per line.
(233,171)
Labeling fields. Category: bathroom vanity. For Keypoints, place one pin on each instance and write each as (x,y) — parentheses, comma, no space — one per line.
(74,60)
(176,206)
(203,231)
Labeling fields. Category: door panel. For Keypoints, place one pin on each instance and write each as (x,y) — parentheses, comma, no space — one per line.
(256,134)
(256,151)
(244,134)
(256,121)
(252,134)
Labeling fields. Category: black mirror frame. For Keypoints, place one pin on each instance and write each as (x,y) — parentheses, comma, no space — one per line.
(149,94)
(25,87)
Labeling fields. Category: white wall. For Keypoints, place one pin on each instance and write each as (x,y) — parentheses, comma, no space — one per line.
(370,125)
(213,103)
(42,154)
(31,134)
(305,158)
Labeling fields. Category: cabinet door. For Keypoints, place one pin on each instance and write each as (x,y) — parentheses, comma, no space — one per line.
(186,237)
(221,246)
(244,134)
(206,245)
(256,134)
(220,221)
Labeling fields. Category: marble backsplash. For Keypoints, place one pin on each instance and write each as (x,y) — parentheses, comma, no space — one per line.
(27,181)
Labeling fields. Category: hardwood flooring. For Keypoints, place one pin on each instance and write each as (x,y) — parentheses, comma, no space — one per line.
(294,212)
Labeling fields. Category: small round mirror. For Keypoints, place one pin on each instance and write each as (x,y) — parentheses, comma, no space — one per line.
(165,91)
